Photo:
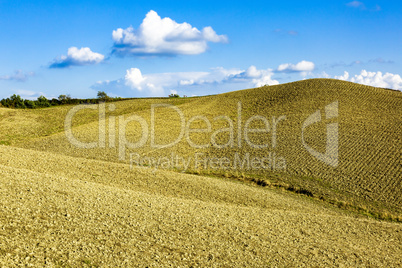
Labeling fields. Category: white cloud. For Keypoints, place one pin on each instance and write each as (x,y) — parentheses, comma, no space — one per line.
(375,79)
(18,75)
(345,76)
(216,80)
(156,84)
(77,57)
(302,66)
(264,80)
(260,77)
(253,72)
(134,78)
(257,77)
(186,82)
(210,35)
(378,79)
(157,36)
(219,80)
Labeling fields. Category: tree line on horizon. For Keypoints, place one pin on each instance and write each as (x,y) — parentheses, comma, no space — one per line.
(15,101)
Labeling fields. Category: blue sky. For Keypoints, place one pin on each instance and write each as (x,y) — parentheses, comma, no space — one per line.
(154,48)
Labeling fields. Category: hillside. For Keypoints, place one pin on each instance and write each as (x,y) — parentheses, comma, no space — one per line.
(214,197)
(66,211)
(367,177)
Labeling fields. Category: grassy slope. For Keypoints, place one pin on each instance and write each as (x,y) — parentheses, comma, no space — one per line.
(80,211)
(368,178)
(18,126)
(69,211)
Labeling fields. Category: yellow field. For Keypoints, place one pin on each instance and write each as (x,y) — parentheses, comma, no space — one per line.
(367,178)
(64,211)
(72,206)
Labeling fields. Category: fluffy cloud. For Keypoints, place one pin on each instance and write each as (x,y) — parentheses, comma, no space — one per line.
(219,80)
(216,80)
(302,66)
(264,80)
(157,36)
(18,75)
(134,78)
(77,57)
(376,79)
(345,76)
(252,71)
(156,84)
(257,77)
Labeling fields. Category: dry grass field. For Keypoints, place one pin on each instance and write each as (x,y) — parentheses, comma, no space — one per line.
(67,211)
(67,206)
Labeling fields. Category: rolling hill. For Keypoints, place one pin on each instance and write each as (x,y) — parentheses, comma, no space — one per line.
(264,176)
(367,177)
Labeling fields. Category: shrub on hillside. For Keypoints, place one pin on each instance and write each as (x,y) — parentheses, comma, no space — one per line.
(42,102)
(29,104)
(15,101)
(64,99)
(103,96)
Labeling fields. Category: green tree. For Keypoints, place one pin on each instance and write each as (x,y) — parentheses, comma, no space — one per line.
(17,101)
(42,101)
(30,104)
(64,99)
(5,102)
(102,95)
